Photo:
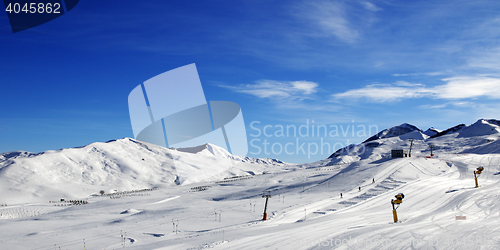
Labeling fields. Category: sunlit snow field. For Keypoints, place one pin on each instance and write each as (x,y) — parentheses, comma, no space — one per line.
(217,203)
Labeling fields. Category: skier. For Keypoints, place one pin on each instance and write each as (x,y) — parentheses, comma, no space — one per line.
(340,195)
(359,188)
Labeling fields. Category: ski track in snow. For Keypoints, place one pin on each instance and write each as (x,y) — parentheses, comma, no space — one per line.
(366,215)
(165,200)
(222,209)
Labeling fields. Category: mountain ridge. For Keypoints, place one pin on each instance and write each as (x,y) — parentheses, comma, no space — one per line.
(123,164)
(481,128)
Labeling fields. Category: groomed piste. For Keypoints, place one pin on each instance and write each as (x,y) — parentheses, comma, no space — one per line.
(125,194)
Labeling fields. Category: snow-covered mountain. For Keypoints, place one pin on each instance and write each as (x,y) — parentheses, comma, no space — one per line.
(118,165)
(342,202)
(431,131)
(394,131)
(457,139)
(366,149)
(480,128)
(450,130)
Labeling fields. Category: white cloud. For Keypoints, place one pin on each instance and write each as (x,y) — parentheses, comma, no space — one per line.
(331,18)
(487,61)
(485,58)
(383,93)
(290,95)
(378,64)
(371,7)
(485,53)
(271,88)
(444,105)
(469,87)
(419,74)
(408,84)
(455,88)
(439,106)
(306,86)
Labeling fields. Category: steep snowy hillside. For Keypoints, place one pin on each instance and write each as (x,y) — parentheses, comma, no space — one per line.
(120,165)
(480,128)
(450,130)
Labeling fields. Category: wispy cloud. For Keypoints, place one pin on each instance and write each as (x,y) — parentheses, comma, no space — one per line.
(371,7)
(277,89)
(479,43)
(408,84)
(438,106)
(289,95)
(420,74)
(331,18)
(469,87)
(486,58)
(384,93)
(444,105)
(461,87)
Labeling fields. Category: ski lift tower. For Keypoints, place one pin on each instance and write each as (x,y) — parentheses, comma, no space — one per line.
(411,144)
(432,147)
(267,196)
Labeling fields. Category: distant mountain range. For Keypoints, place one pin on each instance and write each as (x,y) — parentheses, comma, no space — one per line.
(405,131)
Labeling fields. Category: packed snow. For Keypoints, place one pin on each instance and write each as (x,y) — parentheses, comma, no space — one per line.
(130,194)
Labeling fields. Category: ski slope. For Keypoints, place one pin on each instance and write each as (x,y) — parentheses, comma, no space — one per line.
(305,209)
(224,211)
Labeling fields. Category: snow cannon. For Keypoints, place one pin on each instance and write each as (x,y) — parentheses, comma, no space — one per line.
(477,172)
(399,199)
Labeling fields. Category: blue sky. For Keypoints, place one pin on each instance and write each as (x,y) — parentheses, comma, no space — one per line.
(340,64)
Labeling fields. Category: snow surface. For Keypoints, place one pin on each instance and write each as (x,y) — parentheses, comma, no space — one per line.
(480,128)
(208,150)
(417,135)
(115,166)
(223,210)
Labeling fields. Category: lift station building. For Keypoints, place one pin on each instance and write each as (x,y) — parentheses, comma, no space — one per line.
(399,153)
